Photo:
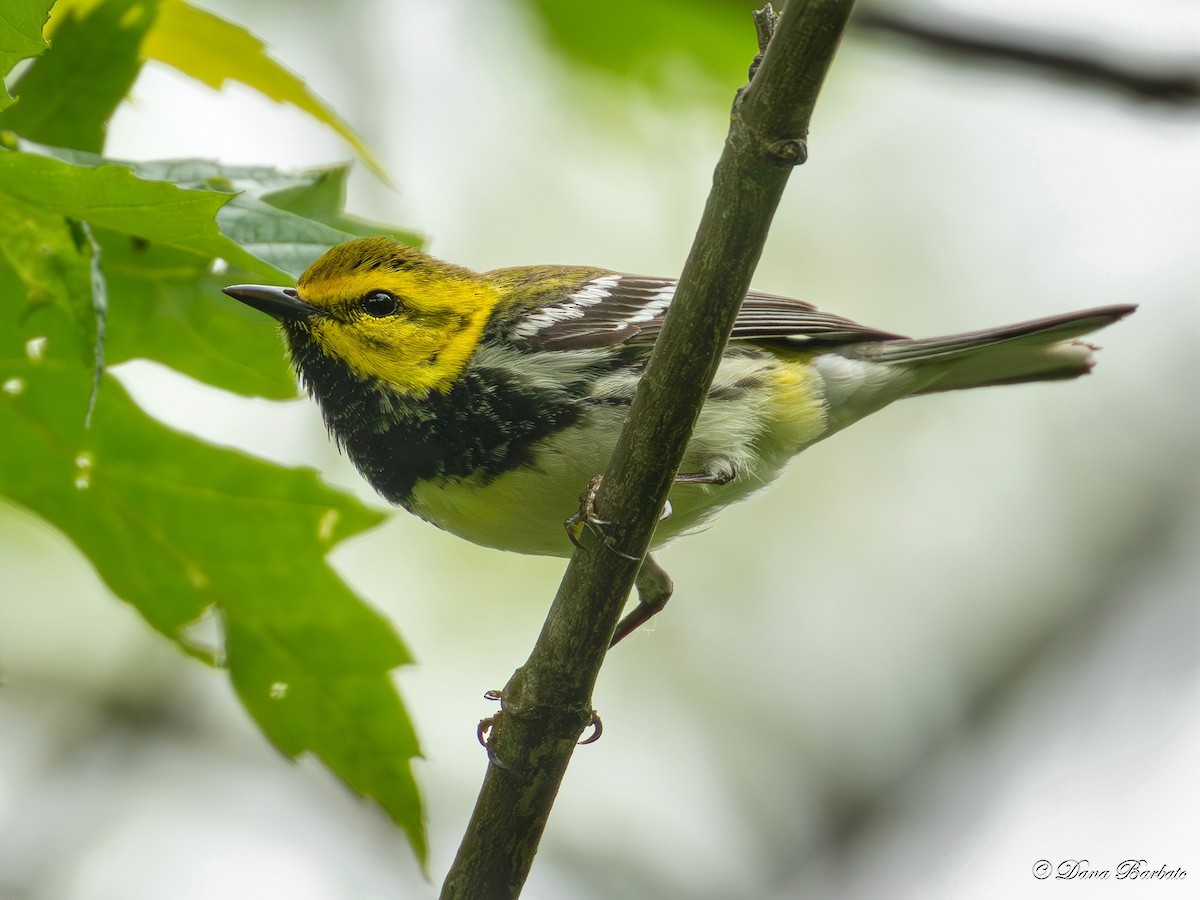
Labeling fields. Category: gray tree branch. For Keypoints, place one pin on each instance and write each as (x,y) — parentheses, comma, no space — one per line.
(547,702)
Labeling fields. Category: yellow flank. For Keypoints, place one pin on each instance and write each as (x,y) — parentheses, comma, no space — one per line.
(425,347)
(798,407)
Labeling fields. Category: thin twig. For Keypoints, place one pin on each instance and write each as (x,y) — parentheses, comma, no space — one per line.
(975,40)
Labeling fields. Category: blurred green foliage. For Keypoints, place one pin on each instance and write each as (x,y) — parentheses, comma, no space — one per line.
(649,40)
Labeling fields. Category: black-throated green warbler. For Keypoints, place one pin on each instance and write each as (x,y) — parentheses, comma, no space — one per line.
(484,402)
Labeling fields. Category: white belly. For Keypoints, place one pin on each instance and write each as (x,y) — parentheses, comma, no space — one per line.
(524,510)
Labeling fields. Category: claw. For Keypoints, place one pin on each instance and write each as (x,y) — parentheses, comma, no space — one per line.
(574,526)
(487,727)
(586,514)
(586,517)
(597,730)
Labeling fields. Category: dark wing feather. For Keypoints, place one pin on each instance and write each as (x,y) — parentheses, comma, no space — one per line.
(614,309)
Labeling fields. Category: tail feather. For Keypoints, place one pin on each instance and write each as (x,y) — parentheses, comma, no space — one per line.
(1040,350)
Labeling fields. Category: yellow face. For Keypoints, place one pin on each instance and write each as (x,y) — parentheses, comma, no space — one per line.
(394,314)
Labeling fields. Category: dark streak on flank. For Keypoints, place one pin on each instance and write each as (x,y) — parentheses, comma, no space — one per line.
(736,390)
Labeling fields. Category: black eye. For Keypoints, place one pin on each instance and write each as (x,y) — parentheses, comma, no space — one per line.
(379,304)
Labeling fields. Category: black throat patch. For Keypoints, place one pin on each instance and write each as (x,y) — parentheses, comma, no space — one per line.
(483,426)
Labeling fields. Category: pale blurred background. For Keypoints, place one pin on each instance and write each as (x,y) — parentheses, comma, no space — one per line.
(956,639)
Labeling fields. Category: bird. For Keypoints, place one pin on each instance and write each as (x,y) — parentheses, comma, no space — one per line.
(483,402)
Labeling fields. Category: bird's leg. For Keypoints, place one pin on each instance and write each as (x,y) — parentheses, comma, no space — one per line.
(654,589)
(654,585)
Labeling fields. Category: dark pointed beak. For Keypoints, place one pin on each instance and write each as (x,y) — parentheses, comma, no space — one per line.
(282,303)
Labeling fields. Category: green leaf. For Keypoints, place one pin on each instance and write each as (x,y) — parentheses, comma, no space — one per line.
(179,528)
(113,197)
(259,217)
(69,94)
(214,51)
(53,265)
(21,28)
(286,219)
(168,307)
(352,720)
(286,241)
(323,199)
